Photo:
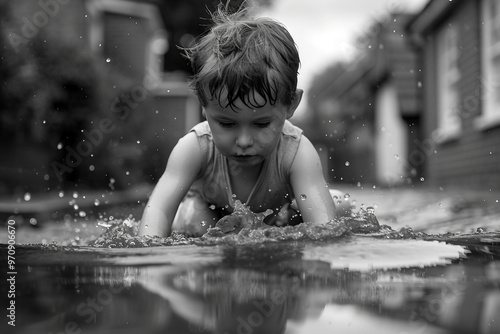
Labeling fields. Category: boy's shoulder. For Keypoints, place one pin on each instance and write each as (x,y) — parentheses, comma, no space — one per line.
(291,130)
(201,129)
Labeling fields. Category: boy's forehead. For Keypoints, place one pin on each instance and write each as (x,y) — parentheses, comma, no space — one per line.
(240,109)
(253,100)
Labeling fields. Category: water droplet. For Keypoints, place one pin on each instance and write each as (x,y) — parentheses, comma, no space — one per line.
(212,207)
(61,193)
(422,179)
(82,214)
(269,190)
(59,146)
(347,163)
(419,84)
(27,197)
(75,206)
(303,197)
(347,196)
(91,168)
(33,221)
(75,194)
(138,142)
(396,156)
(203,223)
(108,60)
(370,209)
(234,196)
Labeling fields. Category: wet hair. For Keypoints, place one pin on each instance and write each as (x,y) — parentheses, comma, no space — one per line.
(242,56)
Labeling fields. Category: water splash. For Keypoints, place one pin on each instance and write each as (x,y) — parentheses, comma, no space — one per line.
(246,227)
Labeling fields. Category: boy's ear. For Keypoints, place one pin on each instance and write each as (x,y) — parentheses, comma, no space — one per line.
(295,103)
(203,113)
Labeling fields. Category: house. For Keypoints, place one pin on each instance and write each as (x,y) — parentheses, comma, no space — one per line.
(459,46)
(368,114)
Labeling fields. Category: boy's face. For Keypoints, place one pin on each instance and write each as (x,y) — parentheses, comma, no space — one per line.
(247,136)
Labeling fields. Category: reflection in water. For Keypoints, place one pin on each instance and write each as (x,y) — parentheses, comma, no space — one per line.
(233,298)
(268,288)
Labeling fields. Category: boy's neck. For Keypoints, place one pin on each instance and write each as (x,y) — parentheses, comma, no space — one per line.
(243,179)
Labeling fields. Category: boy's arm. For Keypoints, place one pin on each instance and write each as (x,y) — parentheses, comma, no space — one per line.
(309,187)
(183,166)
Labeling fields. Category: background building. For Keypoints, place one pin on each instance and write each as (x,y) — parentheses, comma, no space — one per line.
(459,46)
(367,110)
(419,104)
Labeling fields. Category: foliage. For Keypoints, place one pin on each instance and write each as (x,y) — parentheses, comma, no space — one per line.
(323,81)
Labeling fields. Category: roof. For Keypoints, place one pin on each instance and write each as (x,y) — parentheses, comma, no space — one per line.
(432,13)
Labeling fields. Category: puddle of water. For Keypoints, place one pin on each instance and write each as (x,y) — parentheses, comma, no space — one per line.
(348,276)
(355,284)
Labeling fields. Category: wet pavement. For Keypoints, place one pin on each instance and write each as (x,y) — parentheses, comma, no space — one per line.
(431,210)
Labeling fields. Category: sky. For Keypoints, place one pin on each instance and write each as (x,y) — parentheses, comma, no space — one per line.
(325,30)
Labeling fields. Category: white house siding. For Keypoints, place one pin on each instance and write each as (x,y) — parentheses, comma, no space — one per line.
(390,139)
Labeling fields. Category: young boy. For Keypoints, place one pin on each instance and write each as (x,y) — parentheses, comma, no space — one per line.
(245,76)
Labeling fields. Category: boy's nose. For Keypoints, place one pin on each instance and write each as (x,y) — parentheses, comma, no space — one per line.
(244,140)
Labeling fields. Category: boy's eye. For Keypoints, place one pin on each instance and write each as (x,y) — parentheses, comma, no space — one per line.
(262,124)
(226,124)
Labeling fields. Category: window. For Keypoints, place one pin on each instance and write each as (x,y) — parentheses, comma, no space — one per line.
(131,35)
(448,76)
(490,64)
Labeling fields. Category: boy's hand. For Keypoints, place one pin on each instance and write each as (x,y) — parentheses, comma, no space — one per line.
(287,215)
(281,218)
